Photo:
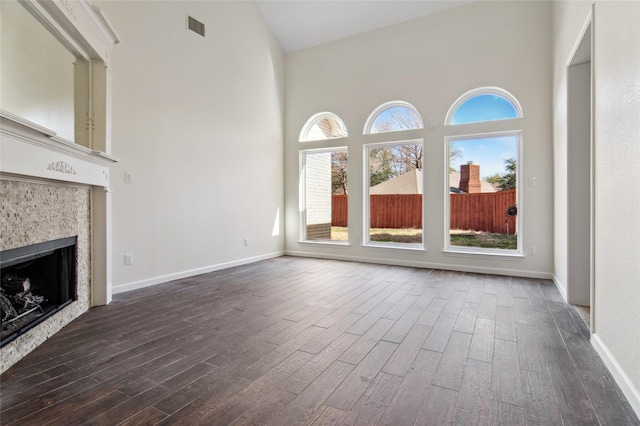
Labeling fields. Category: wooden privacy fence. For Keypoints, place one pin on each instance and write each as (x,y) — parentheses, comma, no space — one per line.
(395,211)
(483,212)
(478,212)
(339,210)
(387,211)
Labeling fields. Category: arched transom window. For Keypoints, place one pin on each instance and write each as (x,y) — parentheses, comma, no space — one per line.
(321,126)
(392,117)
(483,104)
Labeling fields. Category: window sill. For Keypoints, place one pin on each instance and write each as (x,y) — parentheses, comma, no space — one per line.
(484,253)
(410,247)
(324,242)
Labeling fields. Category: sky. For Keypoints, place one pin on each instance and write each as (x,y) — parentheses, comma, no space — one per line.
(489,153)
(485,107)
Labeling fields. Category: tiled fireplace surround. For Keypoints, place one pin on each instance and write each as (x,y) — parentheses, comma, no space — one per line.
(34,211)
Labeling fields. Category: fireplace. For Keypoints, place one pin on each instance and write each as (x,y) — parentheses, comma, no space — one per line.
(55,175)
(37,281)
(46,216)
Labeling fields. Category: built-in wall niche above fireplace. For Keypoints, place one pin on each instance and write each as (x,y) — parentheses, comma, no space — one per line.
(37,281)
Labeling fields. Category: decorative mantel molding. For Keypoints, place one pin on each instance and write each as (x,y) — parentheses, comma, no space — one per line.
(62,167)
(28,149)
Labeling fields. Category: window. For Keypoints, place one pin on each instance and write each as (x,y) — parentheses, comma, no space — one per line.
(321,126)
(483,176)
(394,194)
(324,195)
(323,182)
(392,117)
(393,179)
(484,104)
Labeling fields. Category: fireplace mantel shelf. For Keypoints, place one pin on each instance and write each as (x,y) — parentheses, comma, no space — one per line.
(29,149)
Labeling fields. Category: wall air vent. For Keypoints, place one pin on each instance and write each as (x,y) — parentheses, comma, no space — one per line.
(195,26)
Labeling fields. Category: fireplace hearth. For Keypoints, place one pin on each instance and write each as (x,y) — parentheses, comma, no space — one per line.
(36,282)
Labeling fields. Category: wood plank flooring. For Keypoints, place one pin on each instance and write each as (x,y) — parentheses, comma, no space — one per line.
(292,341)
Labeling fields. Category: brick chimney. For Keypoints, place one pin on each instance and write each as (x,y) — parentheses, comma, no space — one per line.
(470,178)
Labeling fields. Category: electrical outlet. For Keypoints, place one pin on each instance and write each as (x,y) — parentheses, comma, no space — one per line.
(532,250)
(532,181)
(128,259)
(246,242)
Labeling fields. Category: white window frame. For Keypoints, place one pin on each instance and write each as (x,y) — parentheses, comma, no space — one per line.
(303,195)
(366,204)
(448,248)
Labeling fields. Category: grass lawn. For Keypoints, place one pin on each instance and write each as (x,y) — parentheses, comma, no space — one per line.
(484,240)
(407,235)
(458,238)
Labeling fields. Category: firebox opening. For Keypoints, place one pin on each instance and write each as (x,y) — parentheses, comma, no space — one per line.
(37,281)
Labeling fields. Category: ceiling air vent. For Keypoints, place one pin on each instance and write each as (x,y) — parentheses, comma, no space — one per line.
(195,26)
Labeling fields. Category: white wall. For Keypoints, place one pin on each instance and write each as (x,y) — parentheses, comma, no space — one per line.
(430,62)
(198,124)
(616,65)
(36,70)
(617,172)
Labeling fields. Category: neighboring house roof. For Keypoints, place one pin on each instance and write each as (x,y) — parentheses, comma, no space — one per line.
(408,183)
(411,183)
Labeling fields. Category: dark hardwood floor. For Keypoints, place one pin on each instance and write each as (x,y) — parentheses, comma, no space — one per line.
(292,341)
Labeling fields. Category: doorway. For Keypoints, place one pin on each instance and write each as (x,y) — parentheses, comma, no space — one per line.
(580,178)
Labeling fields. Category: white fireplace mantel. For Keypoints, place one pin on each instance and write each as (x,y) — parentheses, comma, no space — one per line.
(30,150)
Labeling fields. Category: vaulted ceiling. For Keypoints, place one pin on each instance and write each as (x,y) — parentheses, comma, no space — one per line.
(298,24)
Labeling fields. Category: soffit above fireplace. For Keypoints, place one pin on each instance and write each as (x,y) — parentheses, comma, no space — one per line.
(78,25)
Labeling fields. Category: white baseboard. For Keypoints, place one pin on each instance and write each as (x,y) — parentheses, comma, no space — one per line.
(190,273)
(624,382)
(414,264)
(561,288)
(121,288)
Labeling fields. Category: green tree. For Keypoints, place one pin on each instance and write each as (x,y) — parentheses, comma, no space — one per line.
(506,180)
